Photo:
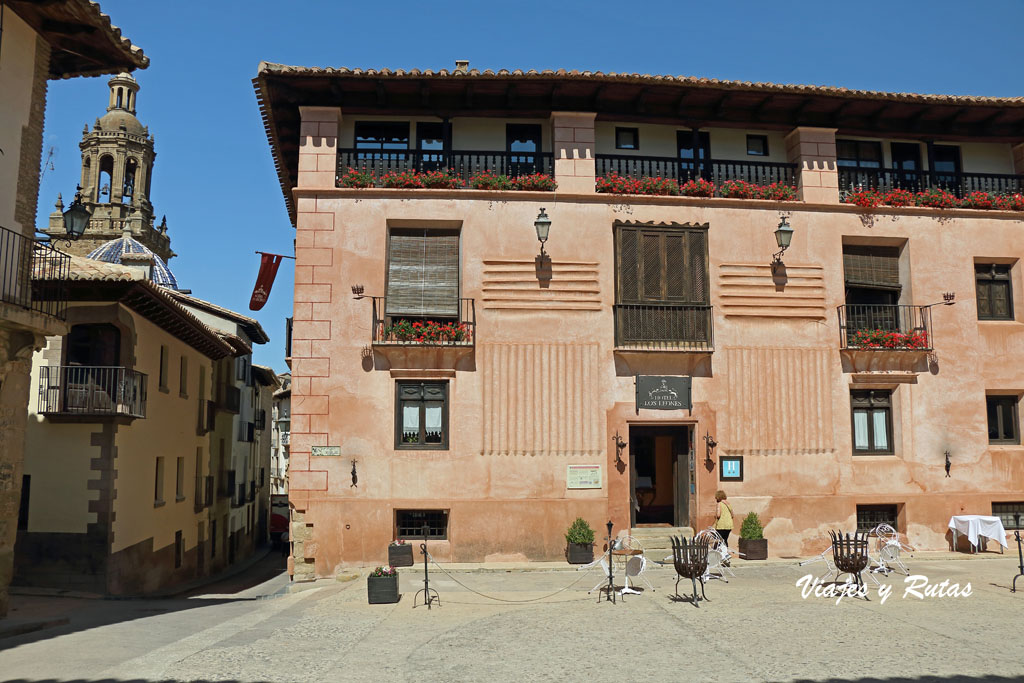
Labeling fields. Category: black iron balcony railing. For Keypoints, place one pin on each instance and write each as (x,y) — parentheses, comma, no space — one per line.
(33,274)
(716,170)
(425,330)
(462,164)
(91,391)
(663,326)
(879,327)
(288,337)
(959,184)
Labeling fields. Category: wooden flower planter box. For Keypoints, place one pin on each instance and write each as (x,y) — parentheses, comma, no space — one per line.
(580,553)
(754,548)
(400,555)
(381,590)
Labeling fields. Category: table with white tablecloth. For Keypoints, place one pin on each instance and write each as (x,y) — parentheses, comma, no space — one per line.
(975,526)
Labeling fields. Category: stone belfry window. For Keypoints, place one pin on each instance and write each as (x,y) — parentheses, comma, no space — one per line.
(128,189)
(104,180)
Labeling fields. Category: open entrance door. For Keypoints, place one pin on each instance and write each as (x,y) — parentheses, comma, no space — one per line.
(660,477)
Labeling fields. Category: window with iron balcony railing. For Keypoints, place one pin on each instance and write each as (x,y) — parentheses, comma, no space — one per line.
(91,392)
(33,275)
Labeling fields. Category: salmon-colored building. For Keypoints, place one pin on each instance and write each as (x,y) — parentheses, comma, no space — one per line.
(449,369)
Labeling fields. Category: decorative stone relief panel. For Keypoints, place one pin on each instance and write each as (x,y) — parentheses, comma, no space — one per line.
(540,399)
(531,285)
(751,289)
(779,402)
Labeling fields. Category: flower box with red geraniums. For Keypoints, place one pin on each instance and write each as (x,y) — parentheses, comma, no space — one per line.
(427,332)
(535,182)
(738,189)
(698,187)
(776,192)
(400,554)
(937,198)
(898,197)
(614,183)
(354,178)
(1010,202)
(440,180)
(978,200)
(864,198)
(403,179)
(490,181)
(884,339)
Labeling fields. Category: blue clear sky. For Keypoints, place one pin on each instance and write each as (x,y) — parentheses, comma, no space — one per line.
(214,178)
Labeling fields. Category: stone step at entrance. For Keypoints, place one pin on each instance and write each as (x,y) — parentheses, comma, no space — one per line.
(659,537)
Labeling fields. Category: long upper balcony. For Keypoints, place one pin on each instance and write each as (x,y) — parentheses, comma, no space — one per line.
(33,274)
(882,327)
(90,392)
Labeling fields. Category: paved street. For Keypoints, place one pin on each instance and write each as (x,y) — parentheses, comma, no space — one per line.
(755,628)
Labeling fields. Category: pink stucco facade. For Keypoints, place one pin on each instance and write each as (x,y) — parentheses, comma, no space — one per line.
(544,385)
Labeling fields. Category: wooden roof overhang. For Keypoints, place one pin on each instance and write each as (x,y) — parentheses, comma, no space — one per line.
(147,300)
(681,101)
(83,42)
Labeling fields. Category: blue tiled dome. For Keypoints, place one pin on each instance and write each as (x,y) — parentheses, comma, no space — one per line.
(112,251)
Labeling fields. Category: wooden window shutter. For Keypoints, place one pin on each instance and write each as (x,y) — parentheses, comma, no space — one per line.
(628,265)
(652,266)
(423,273)
(872,266)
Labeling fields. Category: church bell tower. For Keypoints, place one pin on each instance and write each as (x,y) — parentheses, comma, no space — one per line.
(117,173)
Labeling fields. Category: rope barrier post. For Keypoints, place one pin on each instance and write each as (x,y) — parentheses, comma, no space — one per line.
(609,590)
(429,594)
(1020,554)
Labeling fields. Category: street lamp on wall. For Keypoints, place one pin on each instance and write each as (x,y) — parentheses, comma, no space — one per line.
(783,237)
(543,226)
(76,218)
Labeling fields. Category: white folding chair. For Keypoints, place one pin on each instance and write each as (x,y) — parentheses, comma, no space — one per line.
(823,557)
(717,543)
(888,551)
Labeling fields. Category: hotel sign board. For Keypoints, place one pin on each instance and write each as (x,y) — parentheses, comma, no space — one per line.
(663,392)
(583,477)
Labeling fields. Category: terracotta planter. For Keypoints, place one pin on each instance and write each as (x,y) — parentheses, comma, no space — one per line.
(400,555)
(580,553)
(382,590)
(754,548)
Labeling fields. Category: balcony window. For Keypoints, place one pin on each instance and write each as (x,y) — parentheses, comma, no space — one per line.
(662,296)
(995,291)
(872,422)
(627,138)
(381,137)
(945,167)
(430,137)
(693,149)
(757,145)
(906,163)
(423,273)
(421,415)
(1003,425)
(523,143)
(858,153)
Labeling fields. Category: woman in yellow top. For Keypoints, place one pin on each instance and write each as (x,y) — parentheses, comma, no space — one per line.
(723,516)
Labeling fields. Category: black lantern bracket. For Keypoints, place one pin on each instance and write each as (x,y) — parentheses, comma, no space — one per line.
(711,445)
(783,238)
(76,218)
(619,445)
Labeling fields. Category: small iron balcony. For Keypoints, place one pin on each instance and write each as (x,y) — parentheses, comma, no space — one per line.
(663,326)
(882,327)
(91,391)
(33,274)
(427,330)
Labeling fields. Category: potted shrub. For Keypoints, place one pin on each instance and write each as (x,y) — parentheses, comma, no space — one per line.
(382,586)
(753,544)
(580,542)
(400,554)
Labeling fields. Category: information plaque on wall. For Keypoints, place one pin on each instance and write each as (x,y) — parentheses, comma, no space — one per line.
(583,477)
(663,392)
(730,468)
(325,450)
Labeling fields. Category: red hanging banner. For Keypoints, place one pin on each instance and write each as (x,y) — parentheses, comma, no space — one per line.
(269,263)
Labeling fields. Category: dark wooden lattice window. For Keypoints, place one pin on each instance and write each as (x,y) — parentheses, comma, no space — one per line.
(870,516)
(409,524)
(872,422)
(421,415)
(662,292)
(423,273)
(1002,419)
(995,297)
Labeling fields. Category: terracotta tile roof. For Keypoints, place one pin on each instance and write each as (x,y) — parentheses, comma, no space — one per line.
(83,39)
(252,327)
(548,74)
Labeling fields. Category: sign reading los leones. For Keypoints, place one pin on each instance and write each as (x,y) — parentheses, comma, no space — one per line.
(663,392)
(583,477)
(325,450)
